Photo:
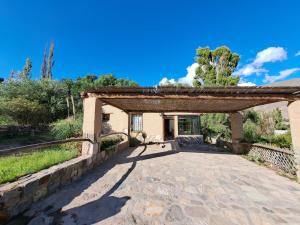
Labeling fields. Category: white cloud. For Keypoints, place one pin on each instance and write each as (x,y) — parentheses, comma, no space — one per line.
(187,79)
(282,75)
(246,84)
(298,53)
(271,54)
(166,81)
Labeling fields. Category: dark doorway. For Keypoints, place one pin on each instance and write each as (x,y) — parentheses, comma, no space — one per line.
(169,128)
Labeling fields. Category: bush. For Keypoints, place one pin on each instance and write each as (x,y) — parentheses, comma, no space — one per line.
(251,131)
(214,124)
(23,111)
(107,143)
(7,120)
(67,128)
(281,141)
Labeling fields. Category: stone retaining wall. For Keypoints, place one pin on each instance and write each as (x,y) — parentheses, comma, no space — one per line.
(18,196)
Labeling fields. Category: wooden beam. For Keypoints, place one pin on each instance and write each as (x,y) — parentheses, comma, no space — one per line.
(200,97)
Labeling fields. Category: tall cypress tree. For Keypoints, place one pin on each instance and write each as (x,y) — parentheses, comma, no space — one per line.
(44,65)
(50,62)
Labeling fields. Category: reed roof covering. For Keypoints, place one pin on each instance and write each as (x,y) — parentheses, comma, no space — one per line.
(188,99)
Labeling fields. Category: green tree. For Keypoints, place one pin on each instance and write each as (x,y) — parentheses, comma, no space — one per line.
(25,74)
(1,80)
(50,62)
(44,65)
(216,67)
(106,80)
(23,111)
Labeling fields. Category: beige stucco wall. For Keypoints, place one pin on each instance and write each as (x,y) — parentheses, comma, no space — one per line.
(294,114)
(118,121)
(153,126)
(153,123)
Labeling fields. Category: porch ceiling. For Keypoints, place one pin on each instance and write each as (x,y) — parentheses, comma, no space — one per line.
(184,99)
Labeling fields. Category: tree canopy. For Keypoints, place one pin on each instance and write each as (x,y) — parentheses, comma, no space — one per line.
(216,67)
(24,99)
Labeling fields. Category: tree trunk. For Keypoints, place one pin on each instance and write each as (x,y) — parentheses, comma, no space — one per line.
(68,106)
(73,105)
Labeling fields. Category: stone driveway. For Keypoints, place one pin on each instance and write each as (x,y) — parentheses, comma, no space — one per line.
(158,185)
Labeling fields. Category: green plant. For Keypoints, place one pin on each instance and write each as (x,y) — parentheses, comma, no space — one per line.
(13,167)
(108,143)
(215,124)
(7,120)
(251,131)
(281,141)
(255,158)
(24,111)
(67,128)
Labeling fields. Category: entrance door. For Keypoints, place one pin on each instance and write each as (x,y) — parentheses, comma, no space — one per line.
(169,128)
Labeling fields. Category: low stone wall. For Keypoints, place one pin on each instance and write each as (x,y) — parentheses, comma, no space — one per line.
(18,196)
(237,148)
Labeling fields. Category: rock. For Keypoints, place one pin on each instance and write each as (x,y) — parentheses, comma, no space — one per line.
(195,211)
(174,214)
(153,210)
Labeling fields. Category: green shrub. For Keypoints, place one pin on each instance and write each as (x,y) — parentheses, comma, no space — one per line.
(67,128)
(281,141)
(251,131)
(23,111)
(108,143)
(214,124)
(7,120)
(255,158)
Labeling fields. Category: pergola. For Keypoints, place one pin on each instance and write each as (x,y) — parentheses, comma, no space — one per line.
(186,99)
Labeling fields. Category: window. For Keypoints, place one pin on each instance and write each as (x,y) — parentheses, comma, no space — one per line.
(136,122)
(105,117)
(188,125)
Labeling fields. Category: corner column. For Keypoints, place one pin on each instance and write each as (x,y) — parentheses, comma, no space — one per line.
(237,134)
(129,127)
(294,116)
(92,122)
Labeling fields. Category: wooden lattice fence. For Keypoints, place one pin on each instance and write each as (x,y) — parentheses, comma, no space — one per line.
(281,158)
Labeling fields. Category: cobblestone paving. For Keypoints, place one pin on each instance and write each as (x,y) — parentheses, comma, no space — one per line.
(156,185)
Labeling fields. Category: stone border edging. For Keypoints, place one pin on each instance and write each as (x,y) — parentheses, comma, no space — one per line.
(17,196)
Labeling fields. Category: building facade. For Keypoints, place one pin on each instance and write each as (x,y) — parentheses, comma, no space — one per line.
(158,127)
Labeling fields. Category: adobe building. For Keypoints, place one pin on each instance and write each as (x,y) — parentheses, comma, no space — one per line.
(158,127)
(161,111)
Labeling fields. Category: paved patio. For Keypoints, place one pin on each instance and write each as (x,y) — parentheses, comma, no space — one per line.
(155,185)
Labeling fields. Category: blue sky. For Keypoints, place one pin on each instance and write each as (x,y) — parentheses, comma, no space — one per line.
(149,40)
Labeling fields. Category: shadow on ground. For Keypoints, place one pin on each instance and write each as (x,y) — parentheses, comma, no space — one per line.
(97,209)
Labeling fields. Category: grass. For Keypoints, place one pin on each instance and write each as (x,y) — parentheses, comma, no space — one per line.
(13,167)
